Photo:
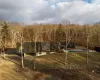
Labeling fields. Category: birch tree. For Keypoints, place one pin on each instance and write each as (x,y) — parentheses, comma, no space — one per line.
(60,35)
(88,35)
(21,47)
(68,37)
(36,36)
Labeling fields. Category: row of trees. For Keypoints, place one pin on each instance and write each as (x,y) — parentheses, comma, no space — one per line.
(87,36)
(81,35)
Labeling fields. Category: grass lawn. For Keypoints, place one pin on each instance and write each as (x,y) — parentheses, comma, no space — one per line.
(75,60)
(54,64)
(57,60)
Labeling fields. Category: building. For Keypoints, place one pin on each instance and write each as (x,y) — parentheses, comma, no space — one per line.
(42,48)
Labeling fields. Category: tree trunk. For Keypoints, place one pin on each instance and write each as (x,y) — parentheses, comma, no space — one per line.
(58,46)
(3,52)
(87,52)
(3,49)
(67,43)
(34,67)
(35,56)
(35,49)
(66,57)
(22,56)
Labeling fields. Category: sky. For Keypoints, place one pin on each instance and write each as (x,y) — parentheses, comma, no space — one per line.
(50,11)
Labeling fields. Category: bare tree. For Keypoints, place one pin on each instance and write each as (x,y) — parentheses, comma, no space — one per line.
(46,36)
(31,34)
(21,47)
(60,35)
(69,35)
(36,38)
(88,35)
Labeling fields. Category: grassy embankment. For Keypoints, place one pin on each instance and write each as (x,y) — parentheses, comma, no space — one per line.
(76,68)
(54,65)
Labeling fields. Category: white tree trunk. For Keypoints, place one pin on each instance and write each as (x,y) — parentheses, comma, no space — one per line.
(68,39)
(87,52)
(34,67)
(66,57)
(4,53)
(22,56)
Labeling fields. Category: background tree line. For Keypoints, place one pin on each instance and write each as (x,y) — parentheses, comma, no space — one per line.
(79,34)
(82,35)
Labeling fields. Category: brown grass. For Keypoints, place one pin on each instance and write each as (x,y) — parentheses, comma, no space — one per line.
(51,65)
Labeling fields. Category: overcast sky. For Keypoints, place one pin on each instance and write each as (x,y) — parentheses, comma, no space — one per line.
(50,11)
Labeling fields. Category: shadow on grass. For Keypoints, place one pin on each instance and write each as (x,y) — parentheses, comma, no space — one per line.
(61,74)
(66,74)
(28,63)
(15,59)
(53,70)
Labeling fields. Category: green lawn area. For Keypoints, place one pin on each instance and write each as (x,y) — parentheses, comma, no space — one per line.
(54,65)
(57,60)
(75,60)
